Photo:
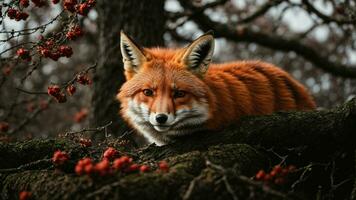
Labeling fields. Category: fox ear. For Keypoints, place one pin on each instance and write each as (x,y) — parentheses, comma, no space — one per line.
(198,54)
(132,54)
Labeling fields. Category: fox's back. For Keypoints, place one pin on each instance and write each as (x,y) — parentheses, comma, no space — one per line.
(253,88)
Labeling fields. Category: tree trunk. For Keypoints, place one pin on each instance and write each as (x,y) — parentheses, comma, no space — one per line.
(203,166)
(142,20)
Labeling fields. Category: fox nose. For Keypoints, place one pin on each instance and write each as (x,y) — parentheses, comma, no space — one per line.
(161,118)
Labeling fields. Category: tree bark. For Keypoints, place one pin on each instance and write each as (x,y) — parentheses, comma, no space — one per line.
(142,20)
(202,166)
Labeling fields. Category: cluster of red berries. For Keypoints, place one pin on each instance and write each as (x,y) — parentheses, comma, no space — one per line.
(16,14)
(71,89)
(23,54)
(111,163)
(277,175)
(24,3)
(81,8)
(74,33)
(25,195)
(83,79)
(4,126)
(55,91)
(59,158)
(81,115)
(48,50)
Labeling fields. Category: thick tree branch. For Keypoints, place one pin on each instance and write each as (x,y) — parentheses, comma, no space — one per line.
(320,134)
(272,41)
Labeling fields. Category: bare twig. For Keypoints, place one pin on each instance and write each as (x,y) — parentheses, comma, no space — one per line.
(84,130)
(28,166)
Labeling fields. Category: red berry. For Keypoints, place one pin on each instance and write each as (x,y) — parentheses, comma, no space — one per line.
(103,167)
(118,164)
(69,5)
(4,126)
(83,79)
(277,168)
(163,166)
(84,165)
(49,43)
(74,33)
(144,168)
(54,56)
(86,161)
(60,157)
(71,89)
(25,195)
(24,3)
(45,52)
(260,175)
(55,1)
(89,169)
(11,13)
(133,168)
(83,9)
(23,54)
(110,153)
(79,169)
(21,16)
(54,90)
(65,51)
(126,159)
(61,98)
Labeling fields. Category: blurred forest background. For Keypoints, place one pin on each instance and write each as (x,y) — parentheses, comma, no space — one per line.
(313,40)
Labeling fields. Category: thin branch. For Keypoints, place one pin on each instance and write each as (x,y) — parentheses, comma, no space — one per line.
(260,11)
(96,129)
(28,166)
(325,18)
(30,92)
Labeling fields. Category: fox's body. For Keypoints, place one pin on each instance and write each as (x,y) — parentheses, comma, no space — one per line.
(166,97)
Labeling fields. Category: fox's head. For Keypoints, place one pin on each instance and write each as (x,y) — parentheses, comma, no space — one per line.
(164,94)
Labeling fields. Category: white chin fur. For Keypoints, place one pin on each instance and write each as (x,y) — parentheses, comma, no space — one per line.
(161,128)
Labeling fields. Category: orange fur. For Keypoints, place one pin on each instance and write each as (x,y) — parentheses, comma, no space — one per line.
(230,90)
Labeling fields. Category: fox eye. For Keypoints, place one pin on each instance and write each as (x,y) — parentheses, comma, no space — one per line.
(178,94)
(148,92)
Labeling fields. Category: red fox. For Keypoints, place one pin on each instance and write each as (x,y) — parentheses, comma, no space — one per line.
(174,92)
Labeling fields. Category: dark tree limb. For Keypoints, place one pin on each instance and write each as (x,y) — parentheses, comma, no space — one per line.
(271,41)
(238,150)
